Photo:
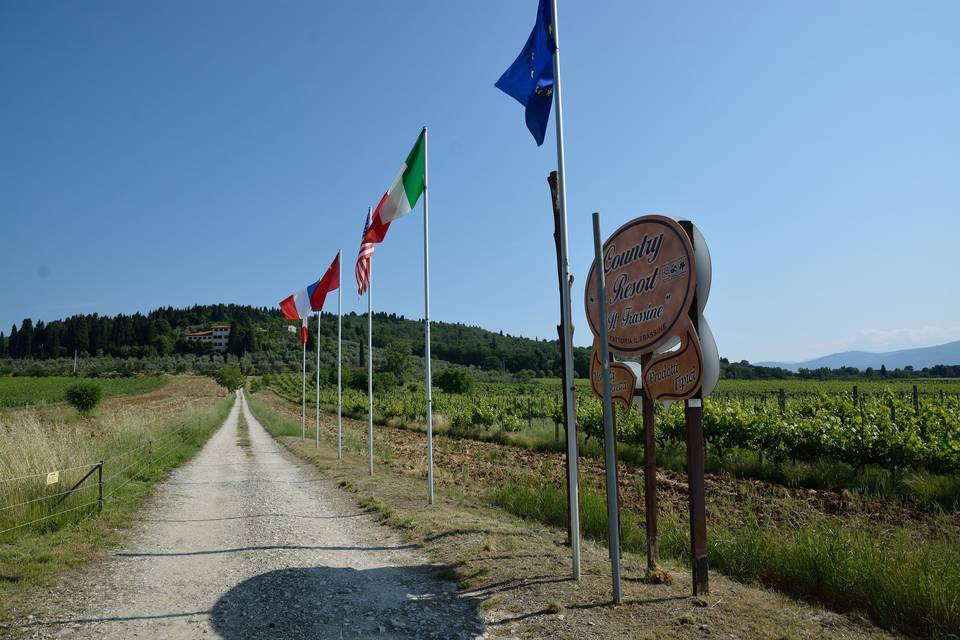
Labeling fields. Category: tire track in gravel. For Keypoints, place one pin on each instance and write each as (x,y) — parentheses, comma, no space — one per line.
(251,543)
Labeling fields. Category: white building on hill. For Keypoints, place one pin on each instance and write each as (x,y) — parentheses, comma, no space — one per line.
(217,336)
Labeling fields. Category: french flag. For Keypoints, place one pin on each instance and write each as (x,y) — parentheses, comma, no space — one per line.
(299,305)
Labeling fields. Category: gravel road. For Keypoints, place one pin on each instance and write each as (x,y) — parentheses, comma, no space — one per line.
(250,543)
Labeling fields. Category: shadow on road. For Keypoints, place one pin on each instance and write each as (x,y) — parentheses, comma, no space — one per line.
(335,602)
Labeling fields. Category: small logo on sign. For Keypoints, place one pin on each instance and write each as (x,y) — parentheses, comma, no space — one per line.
(675,269)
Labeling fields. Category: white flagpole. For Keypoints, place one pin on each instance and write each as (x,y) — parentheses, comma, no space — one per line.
(426,314)
(370,363)
(567,346)
(303,390)
(339,359)
(318,379)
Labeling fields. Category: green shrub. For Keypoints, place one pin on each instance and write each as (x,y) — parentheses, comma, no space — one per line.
(454,380)
(384,380)
(229,377)
(84,396)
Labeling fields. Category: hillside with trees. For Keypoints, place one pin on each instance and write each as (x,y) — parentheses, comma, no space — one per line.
(260,342)
(260,335)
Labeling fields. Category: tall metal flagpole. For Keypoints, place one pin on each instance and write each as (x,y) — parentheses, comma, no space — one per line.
(303,390)
(370,363)
(568,385)
(318,380)
(426,313)
(339,357)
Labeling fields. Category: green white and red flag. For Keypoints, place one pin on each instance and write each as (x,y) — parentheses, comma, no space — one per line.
(402,196)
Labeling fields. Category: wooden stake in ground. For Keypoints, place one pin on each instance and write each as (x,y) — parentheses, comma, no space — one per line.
(649,474)
(568,400)
(696,462)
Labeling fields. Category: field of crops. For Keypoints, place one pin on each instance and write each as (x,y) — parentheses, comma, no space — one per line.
(883,424)
(29,391)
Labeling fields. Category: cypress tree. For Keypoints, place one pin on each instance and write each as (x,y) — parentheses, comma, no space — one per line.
(3,345)
(250,340)
(25,338)
(13,343)
(39,340)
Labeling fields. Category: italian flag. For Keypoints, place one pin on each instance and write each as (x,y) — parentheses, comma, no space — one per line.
(403,194)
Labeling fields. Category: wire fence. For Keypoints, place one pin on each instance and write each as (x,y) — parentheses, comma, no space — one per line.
(39,500)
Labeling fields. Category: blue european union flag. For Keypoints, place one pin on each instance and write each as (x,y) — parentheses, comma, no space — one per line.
(530,78)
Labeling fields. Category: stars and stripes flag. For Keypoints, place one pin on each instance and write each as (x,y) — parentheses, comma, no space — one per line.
(362,270)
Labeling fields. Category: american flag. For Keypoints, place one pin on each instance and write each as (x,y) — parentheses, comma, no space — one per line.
(362,271)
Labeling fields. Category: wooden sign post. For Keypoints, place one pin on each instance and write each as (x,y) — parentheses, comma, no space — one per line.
(644,304)
(565,335)
(696,463)
(650,476)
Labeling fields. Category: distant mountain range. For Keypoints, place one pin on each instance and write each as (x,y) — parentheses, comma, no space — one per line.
(948,354)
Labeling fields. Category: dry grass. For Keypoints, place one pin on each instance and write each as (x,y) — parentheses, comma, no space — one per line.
(175,421)
(125,434)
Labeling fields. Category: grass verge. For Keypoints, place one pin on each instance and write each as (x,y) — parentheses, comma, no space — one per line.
(38,554)
(276,424)
(243,432)
(889,576)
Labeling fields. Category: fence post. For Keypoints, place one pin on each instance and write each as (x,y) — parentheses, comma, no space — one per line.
(100,486)
(856,397)
(916,400)
(529,413)
(893,414)
(783,401)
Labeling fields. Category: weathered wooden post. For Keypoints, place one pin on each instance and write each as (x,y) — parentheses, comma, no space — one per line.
(696,462)
(565,334)
(100,486)
(650,476)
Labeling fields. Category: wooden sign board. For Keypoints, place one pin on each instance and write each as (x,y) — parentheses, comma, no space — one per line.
(53,477)
(650,283)
(623,381)
(675,375)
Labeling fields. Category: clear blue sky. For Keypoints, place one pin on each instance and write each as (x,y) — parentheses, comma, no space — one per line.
(172,153)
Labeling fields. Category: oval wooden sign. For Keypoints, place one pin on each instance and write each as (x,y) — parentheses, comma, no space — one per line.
(677,374)
(623,380)
(649,279)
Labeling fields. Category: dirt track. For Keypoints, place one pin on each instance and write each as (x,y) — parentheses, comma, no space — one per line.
(249,543)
